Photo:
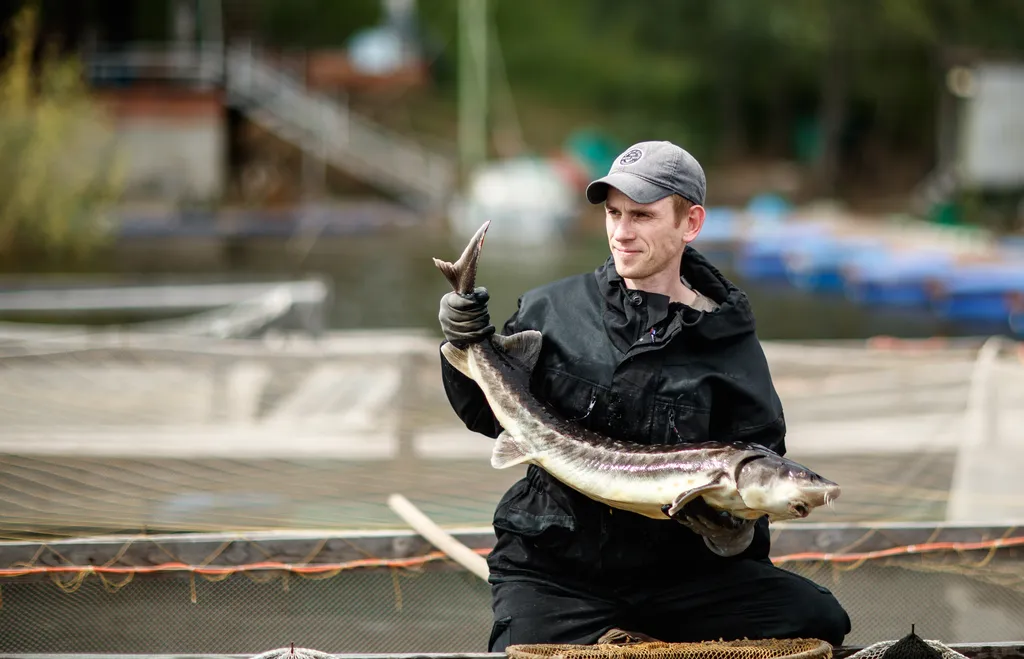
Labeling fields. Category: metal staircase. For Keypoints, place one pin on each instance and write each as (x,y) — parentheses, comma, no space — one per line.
(283,105)
(320,125)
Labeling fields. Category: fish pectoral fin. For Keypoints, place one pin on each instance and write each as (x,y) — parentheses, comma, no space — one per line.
(687,496)
(508,452)
(457,357)
(523,346)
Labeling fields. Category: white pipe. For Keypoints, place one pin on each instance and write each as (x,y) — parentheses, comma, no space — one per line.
(438,537)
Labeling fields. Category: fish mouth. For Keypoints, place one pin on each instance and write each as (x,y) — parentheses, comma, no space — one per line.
(830,498)
(800,510)
(827,498)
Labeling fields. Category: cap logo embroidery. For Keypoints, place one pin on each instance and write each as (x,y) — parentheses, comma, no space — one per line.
(631,156)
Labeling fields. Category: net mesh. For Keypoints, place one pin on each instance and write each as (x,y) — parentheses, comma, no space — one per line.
(293,652)
(740,649)
(133,434)
(114,433)
(415,600)
(911,646)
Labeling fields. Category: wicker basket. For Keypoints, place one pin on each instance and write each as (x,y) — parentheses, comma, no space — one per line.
(745,649)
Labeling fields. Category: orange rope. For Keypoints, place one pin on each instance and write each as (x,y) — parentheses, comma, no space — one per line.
(417,561)
(900,551)
(224,571)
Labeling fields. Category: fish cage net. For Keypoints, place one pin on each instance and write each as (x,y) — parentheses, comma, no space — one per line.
(910,646)
(412,599)
(136,434)
(111,432)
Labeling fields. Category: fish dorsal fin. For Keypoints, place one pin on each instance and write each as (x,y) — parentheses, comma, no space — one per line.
(523,346)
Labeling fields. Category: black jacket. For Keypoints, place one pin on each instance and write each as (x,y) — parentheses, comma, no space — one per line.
(636,367)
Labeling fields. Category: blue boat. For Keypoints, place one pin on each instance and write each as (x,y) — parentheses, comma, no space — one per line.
(762,256)
(718,235)
(891,278)
(816,263)
(978,292)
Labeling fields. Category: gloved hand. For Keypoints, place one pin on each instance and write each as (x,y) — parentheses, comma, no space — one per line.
(724,534)
(464,319)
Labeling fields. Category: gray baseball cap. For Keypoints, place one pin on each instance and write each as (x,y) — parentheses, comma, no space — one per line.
(649,171)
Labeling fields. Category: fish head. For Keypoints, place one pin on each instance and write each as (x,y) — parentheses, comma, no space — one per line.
(781,488)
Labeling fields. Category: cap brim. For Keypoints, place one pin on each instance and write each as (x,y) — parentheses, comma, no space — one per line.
(634,187)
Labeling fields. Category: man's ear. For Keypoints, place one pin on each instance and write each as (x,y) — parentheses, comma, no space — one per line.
(694,223)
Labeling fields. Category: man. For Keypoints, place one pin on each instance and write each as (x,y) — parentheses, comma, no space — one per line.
(654,346)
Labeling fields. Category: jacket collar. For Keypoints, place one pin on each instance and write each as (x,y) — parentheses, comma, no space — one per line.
(624,308)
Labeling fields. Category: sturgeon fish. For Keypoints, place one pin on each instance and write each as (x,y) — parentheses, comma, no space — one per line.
(744,479)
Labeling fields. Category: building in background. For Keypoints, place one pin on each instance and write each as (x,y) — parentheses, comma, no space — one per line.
(206,115)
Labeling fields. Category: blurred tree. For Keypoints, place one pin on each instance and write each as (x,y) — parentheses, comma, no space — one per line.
(847,86)
(58,172)
(314,23)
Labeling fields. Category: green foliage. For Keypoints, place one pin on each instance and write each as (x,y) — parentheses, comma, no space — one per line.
(314,23)
(677,65)
(58,172)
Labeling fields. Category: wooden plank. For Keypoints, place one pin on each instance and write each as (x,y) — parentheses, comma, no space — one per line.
(155,297)
(203,441)
(107,344)
(1011,650)
(338,397)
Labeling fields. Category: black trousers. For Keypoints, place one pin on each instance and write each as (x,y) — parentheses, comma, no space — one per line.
(742,599)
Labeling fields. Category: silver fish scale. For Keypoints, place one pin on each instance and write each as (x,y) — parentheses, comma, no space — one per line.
(636,459)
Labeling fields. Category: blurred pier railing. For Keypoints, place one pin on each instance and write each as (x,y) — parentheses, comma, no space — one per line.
(280,102)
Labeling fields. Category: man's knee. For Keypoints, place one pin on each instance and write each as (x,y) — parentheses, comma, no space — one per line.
(812,610)
(824,618)
(527,630)
(532,612)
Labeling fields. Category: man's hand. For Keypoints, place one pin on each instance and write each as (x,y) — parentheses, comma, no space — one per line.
(723,533)
(464,319)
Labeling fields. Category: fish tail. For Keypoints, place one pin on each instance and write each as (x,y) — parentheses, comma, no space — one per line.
(509,451)
(462,274)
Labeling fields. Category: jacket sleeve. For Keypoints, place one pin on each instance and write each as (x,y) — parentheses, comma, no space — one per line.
(748,409)
(466,398)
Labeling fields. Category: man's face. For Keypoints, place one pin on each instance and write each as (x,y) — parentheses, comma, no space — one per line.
(647,239)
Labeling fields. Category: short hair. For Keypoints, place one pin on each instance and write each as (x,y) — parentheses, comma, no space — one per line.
(681,206)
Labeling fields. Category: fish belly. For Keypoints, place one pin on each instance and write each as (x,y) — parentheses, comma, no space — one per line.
(641,494)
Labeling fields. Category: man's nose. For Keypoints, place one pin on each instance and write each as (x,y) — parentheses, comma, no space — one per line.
(623,231)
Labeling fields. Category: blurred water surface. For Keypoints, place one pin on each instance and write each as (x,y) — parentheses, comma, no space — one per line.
(386,279)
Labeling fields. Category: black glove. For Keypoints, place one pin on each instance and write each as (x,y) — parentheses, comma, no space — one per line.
(724,534)
(464,318)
